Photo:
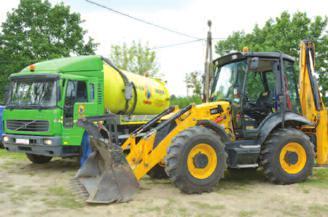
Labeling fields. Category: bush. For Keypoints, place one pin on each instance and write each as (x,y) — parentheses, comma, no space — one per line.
(183,101)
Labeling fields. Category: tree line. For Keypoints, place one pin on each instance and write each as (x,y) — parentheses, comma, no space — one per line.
(37,30)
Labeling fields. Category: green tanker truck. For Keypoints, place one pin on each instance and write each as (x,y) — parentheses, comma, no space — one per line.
(46,99)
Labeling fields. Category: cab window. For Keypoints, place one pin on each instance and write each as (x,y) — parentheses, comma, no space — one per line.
(77,91)
(291,79)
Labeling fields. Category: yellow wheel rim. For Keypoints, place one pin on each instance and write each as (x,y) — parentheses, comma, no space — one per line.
(202,161)
(292,158)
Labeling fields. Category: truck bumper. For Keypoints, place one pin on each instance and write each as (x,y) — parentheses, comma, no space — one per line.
(36,145)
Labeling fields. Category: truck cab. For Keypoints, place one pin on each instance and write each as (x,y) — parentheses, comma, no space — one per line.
(45,102)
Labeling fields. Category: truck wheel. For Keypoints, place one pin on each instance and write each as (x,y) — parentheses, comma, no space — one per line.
(38,159)
(196,160)
(287,156)
(157,172)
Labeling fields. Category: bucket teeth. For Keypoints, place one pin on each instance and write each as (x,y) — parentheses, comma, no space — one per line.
(78,189)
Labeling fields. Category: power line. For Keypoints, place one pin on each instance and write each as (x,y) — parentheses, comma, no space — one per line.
(141,20)
(177,44)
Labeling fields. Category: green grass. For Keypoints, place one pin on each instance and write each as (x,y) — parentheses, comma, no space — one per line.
(318,210)
(12,155)
(245,213)
(61,197)
(319,179)
(240,180)
(206,206)
(21,195)
(293,210)
(182,211)
(4,186)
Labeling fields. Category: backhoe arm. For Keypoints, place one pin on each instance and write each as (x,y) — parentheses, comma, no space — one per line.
(312,104)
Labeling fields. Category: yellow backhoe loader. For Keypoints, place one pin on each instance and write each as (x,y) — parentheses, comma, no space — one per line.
(260,114)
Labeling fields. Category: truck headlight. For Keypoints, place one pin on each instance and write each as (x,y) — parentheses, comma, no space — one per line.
(5,138)
(47,142)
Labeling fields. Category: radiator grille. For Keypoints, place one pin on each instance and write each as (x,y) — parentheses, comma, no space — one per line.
(28,125)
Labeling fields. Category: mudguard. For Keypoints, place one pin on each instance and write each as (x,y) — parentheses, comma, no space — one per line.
(273,120)
(215,127)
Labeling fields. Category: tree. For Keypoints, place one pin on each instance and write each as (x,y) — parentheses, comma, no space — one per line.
(193,81)
(183,101)
(37,31)
(284,33)
(136,58)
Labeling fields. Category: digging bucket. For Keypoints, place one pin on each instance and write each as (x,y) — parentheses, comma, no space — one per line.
(106,176)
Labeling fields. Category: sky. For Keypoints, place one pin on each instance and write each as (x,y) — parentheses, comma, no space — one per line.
(187,16)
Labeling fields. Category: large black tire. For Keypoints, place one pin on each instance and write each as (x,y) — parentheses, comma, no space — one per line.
(176,161)
(38,159)
(280,168)
(157,172)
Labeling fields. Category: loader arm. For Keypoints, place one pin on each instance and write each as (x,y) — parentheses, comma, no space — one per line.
(150,150)
(312,104)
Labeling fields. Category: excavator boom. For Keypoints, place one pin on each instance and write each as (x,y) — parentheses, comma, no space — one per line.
(312,104)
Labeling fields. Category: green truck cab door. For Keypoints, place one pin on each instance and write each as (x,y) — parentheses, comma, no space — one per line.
(79,102)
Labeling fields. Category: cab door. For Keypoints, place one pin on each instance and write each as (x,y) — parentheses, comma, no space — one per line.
(79,102)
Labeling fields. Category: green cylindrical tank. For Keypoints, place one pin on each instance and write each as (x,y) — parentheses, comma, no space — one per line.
(149,96)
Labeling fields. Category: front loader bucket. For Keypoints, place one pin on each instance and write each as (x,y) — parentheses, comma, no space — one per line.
(106,176)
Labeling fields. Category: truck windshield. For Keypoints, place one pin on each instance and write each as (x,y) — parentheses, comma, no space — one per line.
(37,93)
(228,80)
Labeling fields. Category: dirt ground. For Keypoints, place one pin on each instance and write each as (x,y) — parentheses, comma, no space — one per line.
(44,190)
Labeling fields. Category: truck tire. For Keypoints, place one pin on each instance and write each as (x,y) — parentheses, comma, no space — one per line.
(38,159)
(196,160)
(287,156)
(157,172)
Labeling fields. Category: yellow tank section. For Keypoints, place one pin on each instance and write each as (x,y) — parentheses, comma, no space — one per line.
(152,95)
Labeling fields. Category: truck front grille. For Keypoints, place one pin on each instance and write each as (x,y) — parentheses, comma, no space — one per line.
(28,125)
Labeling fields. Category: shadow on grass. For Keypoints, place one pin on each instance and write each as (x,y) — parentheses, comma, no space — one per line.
(18,163)
(244,175)
(241,178)
(56,165)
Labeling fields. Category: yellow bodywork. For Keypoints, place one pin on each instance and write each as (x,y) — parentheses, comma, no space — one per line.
(309,110)
(143,156)
(210,153)
(298,149)
(148,150)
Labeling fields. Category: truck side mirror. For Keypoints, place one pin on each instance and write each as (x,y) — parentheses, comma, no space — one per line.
(7,93)
(253,64)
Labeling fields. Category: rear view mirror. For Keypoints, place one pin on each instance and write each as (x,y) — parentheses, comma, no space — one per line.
(253,64)
(7,94)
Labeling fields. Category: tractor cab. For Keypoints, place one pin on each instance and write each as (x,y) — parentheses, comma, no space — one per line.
(255,84)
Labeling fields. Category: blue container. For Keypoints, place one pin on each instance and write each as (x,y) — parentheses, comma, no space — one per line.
(1,121)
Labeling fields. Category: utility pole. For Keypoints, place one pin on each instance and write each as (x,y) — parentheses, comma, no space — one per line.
(208,64)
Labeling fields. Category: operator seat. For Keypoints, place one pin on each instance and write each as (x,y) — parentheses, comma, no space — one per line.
(261,108)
